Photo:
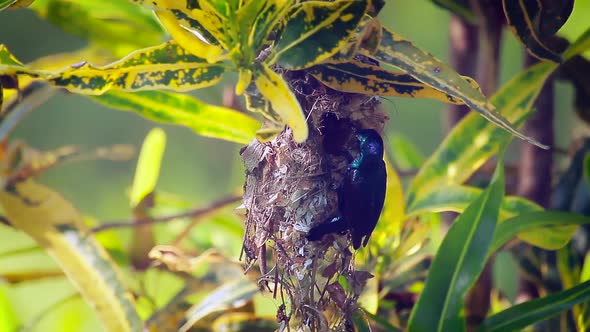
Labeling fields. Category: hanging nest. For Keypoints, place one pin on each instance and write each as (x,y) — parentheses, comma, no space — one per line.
(292,187)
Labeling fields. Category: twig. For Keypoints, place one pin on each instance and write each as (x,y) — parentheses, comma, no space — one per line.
(32,96)
(195,213)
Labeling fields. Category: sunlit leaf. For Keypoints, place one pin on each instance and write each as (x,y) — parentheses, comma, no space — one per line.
(148,166)
(459,261)
(6,58)
(9,321)
(171,108)
(527,313)
(401,53)
(56,225)
(117,25)
(166,66)
(316,30)
(282,100)
(393,214)
(581,45)
(189,41)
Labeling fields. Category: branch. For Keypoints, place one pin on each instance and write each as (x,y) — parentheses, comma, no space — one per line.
(195,213)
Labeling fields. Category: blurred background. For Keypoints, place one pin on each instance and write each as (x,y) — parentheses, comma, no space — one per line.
(197,169)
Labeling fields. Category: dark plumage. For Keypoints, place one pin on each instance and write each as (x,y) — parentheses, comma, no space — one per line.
(361,196)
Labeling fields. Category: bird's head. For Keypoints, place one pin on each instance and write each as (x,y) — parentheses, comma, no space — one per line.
(371,144)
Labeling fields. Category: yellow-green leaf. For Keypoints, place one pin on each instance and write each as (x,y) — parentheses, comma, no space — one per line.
(282,100)
(255,102)
(581,45)
(57,227)
(171,108)
(265,21)
(393,215)
(474,139)
(188,40)
(166,66)
(6,58)
(148,166)
(117,25)
(399,52)
(357,77)
(455,198)
(316,30)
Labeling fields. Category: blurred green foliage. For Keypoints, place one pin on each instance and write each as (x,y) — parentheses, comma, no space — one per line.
(196,170)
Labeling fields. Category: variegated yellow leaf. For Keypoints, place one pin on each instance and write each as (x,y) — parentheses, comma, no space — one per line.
(282,100)
(356,77)
(188,40)
(166,66)
(57,227)
(401,53)
(314,31)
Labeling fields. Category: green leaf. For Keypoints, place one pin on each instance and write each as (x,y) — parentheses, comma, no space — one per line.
(9,321)
(148,166)
(356,77)
(221,298)
(6,58)
(529,21)
(117,25)
(316,30)
(474,140)
(581,45)
(6,3)
(171,108)
(534,220)
(399,52)
(527,313)
(405,155)
(265,21)
(458,7)
(458,262)
(282,100)
(190,41)
(456,198)
(58,227)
